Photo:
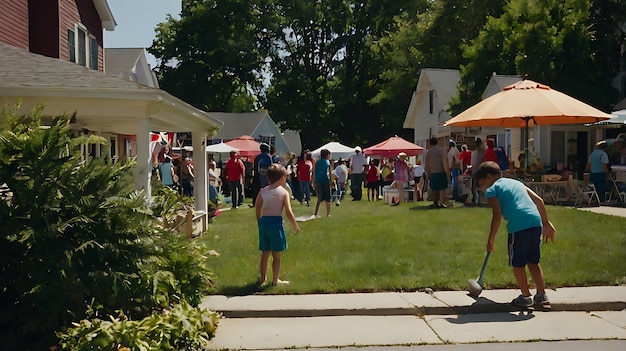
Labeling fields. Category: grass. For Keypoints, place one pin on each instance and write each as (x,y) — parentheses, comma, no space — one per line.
(368,246)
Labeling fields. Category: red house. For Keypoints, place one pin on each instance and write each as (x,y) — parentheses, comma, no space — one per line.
(65,29)
(51,54)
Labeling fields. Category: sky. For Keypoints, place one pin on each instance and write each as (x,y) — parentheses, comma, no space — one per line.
(136,20)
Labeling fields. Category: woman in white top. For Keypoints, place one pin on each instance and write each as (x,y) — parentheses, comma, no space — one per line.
(418,185)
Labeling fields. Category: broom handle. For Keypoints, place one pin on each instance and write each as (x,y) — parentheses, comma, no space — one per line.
(482,270)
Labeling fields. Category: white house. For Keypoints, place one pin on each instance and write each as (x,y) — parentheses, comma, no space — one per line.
(429,105)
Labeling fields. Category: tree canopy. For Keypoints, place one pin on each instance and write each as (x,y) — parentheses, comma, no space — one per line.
(334,69)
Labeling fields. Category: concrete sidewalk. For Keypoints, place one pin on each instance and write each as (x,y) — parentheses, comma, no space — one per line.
(414,318)
(607,210)
(609,298)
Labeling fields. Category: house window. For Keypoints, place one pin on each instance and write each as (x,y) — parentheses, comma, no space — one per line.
(269,140)
(71,45)
(93,48)
(431,101)
(82,48)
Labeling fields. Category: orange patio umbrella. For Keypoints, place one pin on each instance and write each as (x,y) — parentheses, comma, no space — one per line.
(527,103)
(392,147)
(247,146)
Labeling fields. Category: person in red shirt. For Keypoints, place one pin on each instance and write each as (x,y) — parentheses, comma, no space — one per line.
(305,167)
(465,157)
(490,152)
(373,177)
(235,171)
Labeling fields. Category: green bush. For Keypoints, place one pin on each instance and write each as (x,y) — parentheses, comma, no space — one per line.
(75,234)
(182,328)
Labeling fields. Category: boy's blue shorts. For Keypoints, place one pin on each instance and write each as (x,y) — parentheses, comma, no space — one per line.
(272,234)
(524,247)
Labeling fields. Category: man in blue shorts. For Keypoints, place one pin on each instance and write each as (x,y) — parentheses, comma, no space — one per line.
(527,221)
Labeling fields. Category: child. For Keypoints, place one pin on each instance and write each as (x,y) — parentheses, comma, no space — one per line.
(373,176)
(270,203)
(527,219)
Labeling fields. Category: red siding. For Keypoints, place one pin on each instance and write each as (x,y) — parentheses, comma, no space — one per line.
(14,22)
(85,13)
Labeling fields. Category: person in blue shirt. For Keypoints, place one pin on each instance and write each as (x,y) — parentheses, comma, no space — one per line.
(527,220)
(598,165)
(322,175)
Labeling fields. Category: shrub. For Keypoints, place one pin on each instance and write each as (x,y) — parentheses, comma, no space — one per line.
(182,328)
(75,234)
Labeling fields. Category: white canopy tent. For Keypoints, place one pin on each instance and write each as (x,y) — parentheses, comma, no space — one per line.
(617,120)
(220,148)
(337,151)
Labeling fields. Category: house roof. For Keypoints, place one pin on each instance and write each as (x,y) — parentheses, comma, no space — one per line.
(104,102)
(442,81)
(22,69)
(130,64)
(106,16)
(119,60)
(620,105)
(497,83)
(238,124)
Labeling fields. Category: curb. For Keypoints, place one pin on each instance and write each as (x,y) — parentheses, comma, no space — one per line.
(419,311)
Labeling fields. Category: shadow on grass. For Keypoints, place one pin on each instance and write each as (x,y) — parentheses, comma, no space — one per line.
(247,289)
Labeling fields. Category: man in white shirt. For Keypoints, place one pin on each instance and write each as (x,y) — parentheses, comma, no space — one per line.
(357,162)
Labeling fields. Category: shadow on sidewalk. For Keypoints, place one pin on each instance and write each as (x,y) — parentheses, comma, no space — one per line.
(491,317)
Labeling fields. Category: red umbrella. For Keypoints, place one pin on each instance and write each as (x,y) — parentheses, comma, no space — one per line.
(247,146)
(392,147)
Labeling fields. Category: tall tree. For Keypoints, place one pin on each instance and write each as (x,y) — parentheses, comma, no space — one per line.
(323,73)
(214,55)
(550,40)
(303,62)
(431,37)
(609,47)
(360,77)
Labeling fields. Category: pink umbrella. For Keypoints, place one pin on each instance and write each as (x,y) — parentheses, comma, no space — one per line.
(392,147)
(247,146)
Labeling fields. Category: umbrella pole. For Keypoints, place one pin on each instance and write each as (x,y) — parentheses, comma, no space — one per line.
(526,151)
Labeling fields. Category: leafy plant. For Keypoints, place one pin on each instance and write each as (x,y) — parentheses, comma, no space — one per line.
(211,206)
(76,234)
(168,204)
(181,328)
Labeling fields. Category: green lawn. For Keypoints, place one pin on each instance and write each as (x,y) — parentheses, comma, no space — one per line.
(368,246)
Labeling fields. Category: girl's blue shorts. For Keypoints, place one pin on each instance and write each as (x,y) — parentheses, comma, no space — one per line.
(272,234)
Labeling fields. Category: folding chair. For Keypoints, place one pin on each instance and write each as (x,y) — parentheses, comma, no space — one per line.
(615,191)
(586,190)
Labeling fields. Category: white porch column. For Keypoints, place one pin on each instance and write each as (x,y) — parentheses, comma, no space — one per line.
(200,189)
(143,171)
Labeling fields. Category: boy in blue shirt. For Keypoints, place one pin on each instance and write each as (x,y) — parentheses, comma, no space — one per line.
(527,220)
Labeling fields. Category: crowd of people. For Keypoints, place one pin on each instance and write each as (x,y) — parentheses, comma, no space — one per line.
(239,177)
